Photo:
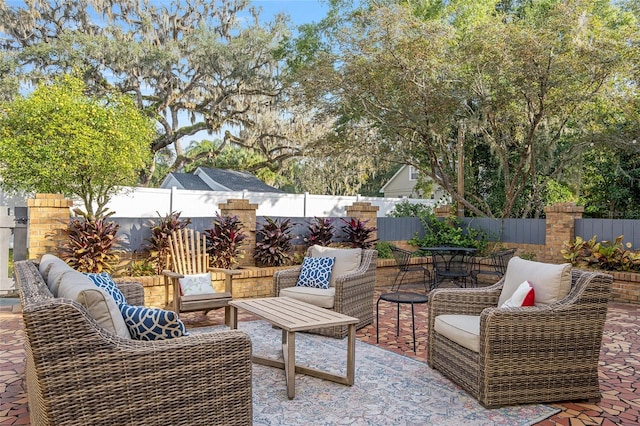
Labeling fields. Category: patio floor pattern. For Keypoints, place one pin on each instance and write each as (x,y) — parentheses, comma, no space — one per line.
(619,361)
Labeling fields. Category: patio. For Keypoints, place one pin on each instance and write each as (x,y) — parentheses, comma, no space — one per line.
(619,360)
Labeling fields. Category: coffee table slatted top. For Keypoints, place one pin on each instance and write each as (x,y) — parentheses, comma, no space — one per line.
(292,315)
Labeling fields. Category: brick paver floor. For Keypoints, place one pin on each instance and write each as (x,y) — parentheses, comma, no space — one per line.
(619,362)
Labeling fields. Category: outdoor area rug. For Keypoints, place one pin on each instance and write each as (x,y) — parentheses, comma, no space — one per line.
(389,389)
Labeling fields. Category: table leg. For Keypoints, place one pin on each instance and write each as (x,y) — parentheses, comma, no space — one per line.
(377,322)
(289,354)
(351,355)
(233,317)
(398,320)
(413,327)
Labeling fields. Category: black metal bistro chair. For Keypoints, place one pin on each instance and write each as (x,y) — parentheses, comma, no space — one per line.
(497,265)
(403,260)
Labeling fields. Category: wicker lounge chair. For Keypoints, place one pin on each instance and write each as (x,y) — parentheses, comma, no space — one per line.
(526,354)
(353,292)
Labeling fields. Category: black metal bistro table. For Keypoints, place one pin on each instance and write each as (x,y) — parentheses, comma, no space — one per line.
(398,298)
(451,263)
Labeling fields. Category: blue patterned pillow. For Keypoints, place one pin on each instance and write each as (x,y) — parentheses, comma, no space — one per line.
(105,282)
(316,272)
(152,323)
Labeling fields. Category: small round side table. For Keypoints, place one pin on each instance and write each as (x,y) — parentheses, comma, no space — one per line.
(400,297)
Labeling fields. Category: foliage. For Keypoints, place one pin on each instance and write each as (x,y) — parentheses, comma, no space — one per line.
(425,80)
(91,244)
(449,232)
(384,250)
(139,268)
(224,241)
(357,234)
(215,63)
(407,209)
(321,232)
(158,243)
(606,255)
(273,242)
(59,140)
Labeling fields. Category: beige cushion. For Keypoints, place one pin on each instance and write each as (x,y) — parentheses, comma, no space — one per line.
(347,260)
(99,304)
(46,262)
(321,297)
(551,282)
(54,275)
(462,329)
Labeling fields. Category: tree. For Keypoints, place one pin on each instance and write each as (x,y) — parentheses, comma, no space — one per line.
(518,87)
(60,140)
(194,65)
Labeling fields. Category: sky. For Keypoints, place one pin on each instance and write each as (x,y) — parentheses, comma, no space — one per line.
(300,11)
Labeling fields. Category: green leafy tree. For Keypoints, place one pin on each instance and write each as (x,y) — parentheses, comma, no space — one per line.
(505,93)
(58,139)
(197,66)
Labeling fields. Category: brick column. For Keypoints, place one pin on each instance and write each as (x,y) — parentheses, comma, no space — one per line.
(246,213)
(49,216)
(365,212)
(560,228)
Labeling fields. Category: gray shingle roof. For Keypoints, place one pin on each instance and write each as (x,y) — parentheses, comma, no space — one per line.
(191,181)
(237,181)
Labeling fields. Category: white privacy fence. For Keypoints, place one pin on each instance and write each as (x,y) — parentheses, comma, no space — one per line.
(148,202)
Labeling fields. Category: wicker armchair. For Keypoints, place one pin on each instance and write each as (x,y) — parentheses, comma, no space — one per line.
(79,373)
(526,355)
(353,293)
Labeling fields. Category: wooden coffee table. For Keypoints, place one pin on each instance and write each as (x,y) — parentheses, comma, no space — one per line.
(293,315)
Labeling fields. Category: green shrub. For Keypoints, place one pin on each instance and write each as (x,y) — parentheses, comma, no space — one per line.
(384,250)
(606,255)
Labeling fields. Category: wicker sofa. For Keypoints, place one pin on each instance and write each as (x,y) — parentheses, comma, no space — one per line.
(535,354)
(77,372)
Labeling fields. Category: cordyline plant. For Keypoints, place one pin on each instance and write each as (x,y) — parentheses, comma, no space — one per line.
(321,232)
(357,234)
(91,244)
(224,241)
(606,255)
(273,245)
(158,246)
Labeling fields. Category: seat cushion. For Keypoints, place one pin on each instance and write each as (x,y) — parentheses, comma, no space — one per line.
(551,282)
(346,260)
(316,272)
(323,298)
(99,304)
(461,329)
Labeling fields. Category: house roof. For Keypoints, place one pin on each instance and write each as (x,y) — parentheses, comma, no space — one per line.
(235,180)
(190,181)
(208,179)
(393,177)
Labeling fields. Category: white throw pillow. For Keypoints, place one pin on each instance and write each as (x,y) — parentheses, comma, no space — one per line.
(99,304)
(551,282)
(347,260)
(192,285)
(524,295)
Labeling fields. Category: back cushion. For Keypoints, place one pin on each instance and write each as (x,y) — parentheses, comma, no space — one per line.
(347,260)
(551,282)
(46,262)
(54,276)
(100,305)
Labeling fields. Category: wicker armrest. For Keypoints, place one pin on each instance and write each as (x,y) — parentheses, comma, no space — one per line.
(285,278)
(470,301)
(133,292)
